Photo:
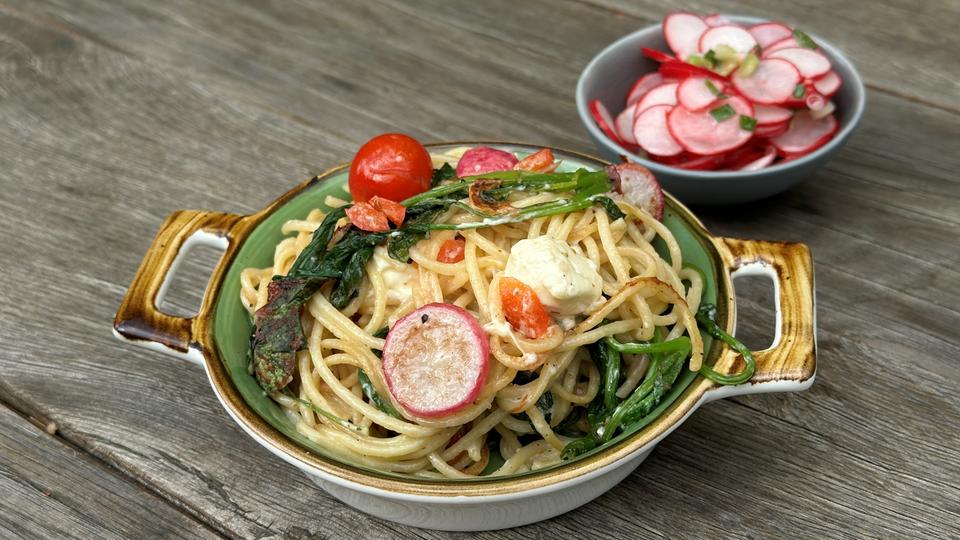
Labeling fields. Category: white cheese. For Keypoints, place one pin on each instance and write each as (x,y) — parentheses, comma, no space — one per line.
(566,282)
(398,277)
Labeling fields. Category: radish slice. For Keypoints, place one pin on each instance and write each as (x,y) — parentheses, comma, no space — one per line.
(651,133)
(695,94)
(769,33)
(814,101)
(657,56)
(828,84)
(770,114)
(624,124)
(734,37)
(773,82)
(809,63)
(682,31)
(772,130)
(435,360)
(642,86)
(718,20)
(788,43)
(701,133)
(483,159)
(637,185)
(603,119)
(761,162)
(700,163)
(665,94)
(827,109)
(806,134)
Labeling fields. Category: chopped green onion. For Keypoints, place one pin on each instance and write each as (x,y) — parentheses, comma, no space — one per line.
(714,90)
(711,57)
(747,123)
(722,112)
(749,65)
(804,40)
(799,91)
(699,61)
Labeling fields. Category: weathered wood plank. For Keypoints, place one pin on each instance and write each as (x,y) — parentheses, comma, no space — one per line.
(123,113)
(51,490)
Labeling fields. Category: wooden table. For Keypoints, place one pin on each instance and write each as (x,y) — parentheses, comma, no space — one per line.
(115,113)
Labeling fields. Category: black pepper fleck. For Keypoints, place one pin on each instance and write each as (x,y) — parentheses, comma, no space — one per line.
(424,318)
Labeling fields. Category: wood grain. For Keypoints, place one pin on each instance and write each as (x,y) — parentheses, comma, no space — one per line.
(52,490)
(119,113)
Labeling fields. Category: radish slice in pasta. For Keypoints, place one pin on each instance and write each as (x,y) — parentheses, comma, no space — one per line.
(435,360)
(637,185)
(484,159)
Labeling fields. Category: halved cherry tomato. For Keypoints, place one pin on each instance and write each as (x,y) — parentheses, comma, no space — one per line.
(540,161)
(522,308)
(394,211)
(366,217)
(393,166)
(451,251)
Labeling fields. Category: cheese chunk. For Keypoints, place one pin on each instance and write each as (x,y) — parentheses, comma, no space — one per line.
(397,276)
(566,282)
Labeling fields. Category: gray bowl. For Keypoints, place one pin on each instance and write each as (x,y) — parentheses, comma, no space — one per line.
(609,76)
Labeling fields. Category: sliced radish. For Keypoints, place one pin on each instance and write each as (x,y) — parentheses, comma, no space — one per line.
(483,159)
(773,82)
(651,133)
(665,94)
(642,86)
(827,109)
(772,130)
(637,185)
(770,114)
(701,133)
(815,101)
(682,31)
(806,134)
(808,62)
(769,33)
(788,43)
(603,119)
(696,93)
(435,360)
(761,162)
(718,20)
(624,124)
(734,37)
(682,70)
(657,56)
(693,162)
(828,84)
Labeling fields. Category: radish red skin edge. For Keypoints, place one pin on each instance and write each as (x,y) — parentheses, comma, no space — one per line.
(435,360)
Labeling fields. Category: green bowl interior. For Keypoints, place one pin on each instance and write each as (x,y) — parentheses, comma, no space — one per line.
(232,324)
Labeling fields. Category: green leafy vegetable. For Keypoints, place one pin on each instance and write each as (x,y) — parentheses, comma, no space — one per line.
(747,123)
(578,447)
(326,414)
(722,112)
(444,173)
(804,40)
(545,405)
(706,317)
(368,390)
(609,358)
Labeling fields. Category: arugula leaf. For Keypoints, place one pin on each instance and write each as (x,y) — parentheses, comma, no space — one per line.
(444,173)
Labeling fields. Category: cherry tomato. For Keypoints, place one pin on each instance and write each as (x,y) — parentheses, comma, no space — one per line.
(366,217)
(540,161)
(393,166)
(395,212)
(522,308)
(451,251)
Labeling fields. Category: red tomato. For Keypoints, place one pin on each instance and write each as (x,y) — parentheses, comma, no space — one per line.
(366,217)
(393,166)
(522,308)
(540,161)
(395,212)
(451,251)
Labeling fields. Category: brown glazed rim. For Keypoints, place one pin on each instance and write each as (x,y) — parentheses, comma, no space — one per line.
(793,359)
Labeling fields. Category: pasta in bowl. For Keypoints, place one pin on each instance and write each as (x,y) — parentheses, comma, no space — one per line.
(514,345)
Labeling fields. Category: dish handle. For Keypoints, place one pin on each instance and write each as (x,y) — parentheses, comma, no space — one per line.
(139,320)
(790,363)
